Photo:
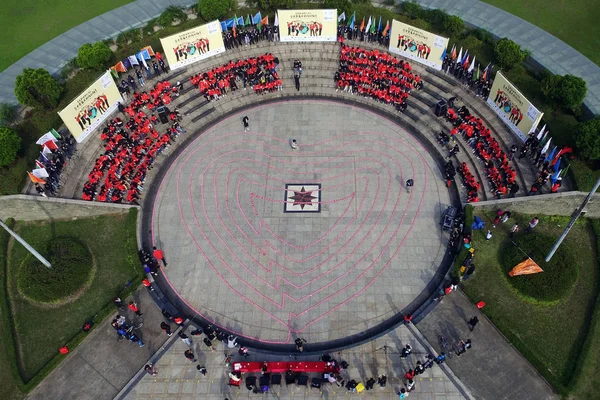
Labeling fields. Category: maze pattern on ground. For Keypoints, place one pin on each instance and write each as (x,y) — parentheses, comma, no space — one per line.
(238,259)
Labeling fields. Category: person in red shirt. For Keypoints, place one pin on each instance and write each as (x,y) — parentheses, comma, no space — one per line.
(159,255)
(133,307)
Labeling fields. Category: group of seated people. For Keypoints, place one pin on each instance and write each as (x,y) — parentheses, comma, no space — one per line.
(257,72)
(500,174)
(469,182)
(376,74)
(129,151)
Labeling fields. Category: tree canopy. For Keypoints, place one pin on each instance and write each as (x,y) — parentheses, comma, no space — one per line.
(588,139)
(566,91)
(10,143)
(94,56)
(509,53)
(215,9)
(37,88)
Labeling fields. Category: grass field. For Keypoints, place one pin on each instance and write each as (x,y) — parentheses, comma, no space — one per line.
(575,22)
(27,24)
(551,337)
(41,330)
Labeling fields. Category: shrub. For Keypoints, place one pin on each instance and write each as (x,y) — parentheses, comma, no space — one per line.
(71,267)
(453,25)
(588,139)
(37,88)
(566,91)
(411,9)
(94,56)
(559,276)
(10,143)
(8,113)
(509,53)
(215,9)
(340,5)
(169,16)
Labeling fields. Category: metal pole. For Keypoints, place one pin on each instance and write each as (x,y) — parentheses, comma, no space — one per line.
(572,221)
(27,245)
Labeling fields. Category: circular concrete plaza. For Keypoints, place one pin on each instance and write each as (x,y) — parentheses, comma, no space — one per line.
(321,242)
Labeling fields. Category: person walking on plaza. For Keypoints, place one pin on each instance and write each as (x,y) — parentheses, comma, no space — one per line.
(166,327)
(246,124)
(297,79)
(189,354)
(118,303)
(406,350)
(159,255)
(134,307)
(149,368)
(410,385)
(514,230)
(472,323)
(186,339)
(409,184)
(532,224)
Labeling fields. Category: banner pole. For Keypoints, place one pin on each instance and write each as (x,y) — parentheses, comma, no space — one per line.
(576,215)
(27,245)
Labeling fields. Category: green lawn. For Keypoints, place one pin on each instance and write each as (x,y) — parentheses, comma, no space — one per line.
(551,337)
(574,21)
(41,330)
(27,24)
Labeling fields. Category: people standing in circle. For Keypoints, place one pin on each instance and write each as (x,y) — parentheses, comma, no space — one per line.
(246,124)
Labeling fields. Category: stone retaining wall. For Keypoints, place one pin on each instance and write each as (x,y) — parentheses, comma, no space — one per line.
(545,204)
(32,208)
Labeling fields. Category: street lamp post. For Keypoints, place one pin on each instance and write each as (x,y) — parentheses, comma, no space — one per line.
(27,245)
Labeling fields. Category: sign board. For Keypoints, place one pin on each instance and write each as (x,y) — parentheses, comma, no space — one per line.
(193,45)
(418,45)
(307,25)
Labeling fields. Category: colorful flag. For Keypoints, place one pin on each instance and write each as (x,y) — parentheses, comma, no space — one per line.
(263,22)
(40,173)
(539,135)
(373,26)
(256,19)
(223,26)
(133,60)
(486,72)
(460,56)
(550,156)
(547,146)
(368,25)
(342,17)
(43,157)
(46,150)
(35,179)
(472,67)
(248,21)
(465,58)
(476,75)
(443,55)
(276,23)
(453,52)
(114,72)
(119,67)
(362,24)
(563,151)
(387,28)
(39,164)
(526,267)
(557,165)
(353,20)
(380,26)
(229,23)
(240,21)
(50,144)
(234,27)
(45,137)
(149,50)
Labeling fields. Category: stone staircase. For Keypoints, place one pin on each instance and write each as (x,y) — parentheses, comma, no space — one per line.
(320,61)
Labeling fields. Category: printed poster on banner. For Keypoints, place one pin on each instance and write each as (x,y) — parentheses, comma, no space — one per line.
(418,45)
(193,45)
(84,114)
(307,25)
(515,110)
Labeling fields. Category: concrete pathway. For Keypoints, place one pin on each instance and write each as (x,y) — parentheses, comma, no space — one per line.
(493,369)
(101,366)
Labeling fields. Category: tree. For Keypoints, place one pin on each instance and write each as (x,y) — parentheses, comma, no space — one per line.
(94,56)
(10,143)
(8,113)
(270,5)
(587,139)
(411,9)
(340,5)
(508,53)
(215,9)
(37,88)
(453,25)
(566,91)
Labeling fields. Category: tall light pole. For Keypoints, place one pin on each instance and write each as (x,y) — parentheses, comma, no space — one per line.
(572,221)
(27,245)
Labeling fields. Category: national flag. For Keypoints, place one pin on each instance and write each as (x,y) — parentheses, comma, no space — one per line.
(387,28)
(229,23)
(563,151)
(353,20)
(373,26)
(465,58)
(248,20)
(149,50)
(114,72)
(45,137)
(119,67)
(472,67)
(46,150)
(43,157)
(554,177)
(50,144)
(362,24)
(256,19)
(550,156)
(557,165)
(526,267)
(39,164)
(368,25)
(465,64)
(276,23)
(544,138)
(539,135)
(453,52)
(55,134)
(133,60)
(127,63)
(546,146)
(142,57)
(223,26)
(460,56)
(476,75)
(263,22)
(443,55)
(342,17)
(380,26)
(40,173)
(35,179)
(240,21)
(485,72)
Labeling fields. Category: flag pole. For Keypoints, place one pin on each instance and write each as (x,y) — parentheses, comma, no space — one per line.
(27,245)
(576,215)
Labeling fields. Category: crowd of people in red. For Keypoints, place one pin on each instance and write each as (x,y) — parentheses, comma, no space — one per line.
(130,149)
(260,73)
(376,74)
(501,176)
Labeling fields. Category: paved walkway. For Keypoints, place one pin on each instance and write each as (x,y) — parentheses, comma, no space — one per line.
(551,52)
(492,369)
(100,366)
(179,379)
